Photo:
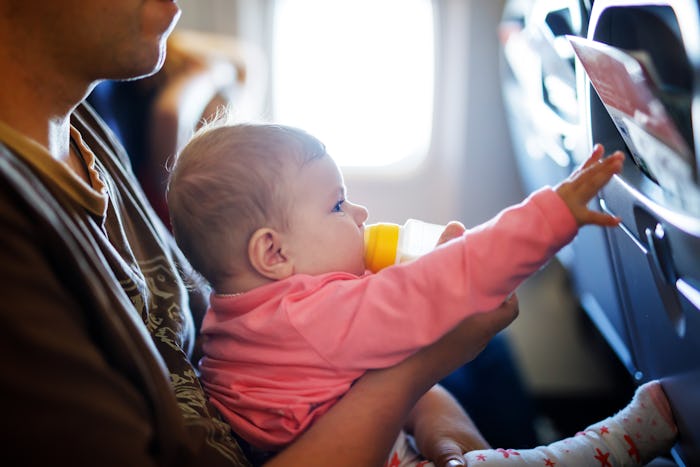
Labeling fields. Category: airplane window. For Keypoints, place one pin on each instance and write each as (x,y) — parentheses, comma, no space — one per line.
(358,74)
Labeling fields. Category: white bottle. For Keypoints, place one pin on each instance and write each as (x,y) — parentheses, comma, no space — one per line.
(387,244)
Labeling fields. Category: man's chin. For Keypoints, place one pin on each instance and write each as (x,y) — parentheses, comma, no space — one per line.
(149,66)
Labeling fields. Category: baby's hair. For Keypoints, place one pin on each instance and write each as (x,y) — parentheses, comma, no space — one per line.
(229,181)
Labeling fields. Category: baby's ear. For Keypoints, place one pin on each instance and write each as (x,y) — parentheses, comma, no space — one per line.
(265,254)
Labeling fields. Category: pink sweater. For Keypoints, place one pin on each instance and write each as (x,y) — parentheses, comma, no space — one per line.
(279,356)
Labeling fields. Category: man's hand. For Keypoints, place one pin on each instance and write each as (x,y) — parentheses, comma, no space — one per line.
(442,429)
(583,184)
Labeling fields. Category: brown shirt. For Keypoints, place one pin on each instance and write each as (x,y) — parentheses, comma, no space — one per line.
(96,324)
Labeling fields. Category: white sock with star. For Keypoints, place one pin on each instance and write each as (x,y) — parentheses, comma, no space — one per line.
(634,436)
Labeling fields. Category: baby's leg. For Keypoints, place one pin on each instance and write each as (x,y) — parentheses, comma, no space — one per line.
(634,436)
(403,454)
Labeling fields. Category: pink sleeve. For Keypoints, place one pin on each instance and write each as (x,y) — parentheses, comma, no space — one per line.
(383,318)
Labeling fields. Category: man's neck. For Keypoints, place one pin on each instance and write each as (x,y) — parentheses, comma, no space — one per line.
(38,102)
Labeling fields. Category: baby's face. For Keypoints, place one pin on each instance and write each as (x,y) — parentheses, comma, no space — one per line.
(326,231)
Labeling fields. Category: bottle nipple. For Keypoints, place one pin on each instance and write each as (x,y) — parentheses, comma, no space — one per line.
(381,244)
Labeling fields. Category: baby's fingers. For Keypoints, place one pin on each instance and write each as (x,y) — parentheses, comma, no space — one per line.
(452,230)
(600,218)
(596,155)
(582,186)
(596,176)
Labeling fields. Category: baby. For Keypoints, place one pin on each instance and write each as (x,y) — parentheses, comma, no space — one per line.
(262,213)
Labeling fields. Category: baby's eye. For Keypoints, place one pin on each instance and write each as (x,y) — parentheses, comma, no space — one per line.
(338,206)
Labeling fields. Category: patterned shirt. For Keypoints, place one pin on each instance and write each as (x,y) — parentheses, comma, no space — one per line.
(99,316)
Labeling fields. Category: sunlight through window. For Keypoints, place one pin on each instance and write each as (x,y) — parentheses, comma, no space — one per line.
(358,74)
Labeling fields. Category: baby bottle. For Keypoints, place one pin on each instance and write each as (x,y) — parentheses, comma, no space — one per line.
(387,244)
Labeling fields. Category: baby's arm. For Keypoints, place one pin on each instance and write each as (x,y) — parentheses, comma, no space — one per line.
(576,191)
(505,250)
(469,275)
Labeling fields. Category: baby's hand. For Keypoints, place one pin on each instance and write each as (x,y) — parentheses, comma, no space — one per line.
(452,230)
(585,182)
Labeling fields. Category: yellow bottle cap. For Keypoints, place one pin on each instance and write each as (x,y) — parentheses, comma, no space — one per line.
(381,242)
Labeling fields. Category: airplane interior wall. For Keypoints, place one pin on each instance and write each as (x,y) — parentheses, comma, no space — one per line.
(469,174)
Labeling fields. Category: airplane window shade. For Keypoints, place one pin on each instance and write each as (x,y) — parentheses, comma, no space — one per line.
(358,74)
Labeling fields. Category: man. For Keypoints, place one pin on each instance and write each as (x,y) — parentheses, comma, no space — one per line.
(98,318)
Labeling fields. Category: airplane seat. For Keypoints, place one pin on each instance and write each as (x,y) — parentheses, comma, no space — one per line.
(639,283)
